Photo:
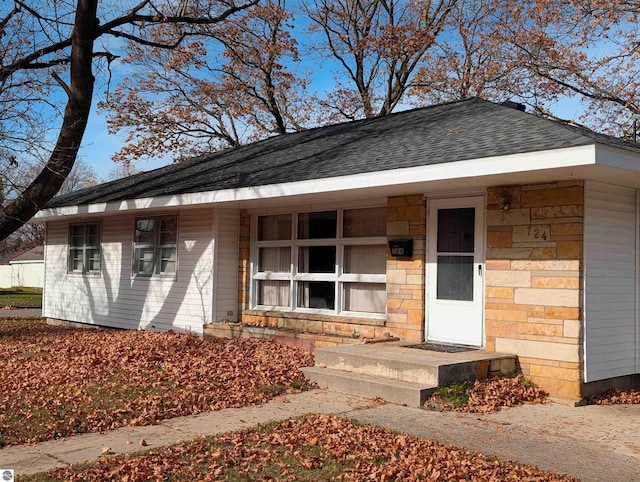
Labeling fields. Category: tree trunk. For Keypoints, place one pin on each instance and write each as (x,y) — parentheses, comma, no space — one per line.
(76,113)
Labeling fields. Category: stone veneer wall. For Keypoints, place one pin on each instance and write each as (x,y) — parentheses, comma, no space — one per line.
(533,282)
(406,219)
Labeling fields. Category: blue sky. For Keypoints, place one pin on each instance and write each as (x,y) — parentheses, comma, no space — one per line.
(98,146)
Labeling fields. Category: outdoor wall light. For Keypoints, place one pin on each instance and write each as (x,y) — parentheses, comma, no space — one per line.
(503,201)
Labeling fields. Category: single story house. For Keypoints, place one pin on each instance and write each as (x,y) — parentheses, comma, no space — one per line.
(23,269)
(469,223)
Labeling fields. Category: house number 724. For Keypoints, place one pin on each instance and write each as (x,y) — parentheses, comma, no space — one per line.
(536,232)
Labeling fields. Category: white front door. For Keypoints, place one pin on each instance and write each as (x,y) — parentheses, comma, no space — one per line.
(455,271)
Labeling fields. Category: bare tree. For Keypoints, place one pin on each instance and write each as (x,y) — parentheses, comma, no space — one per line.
(585,50)
(378,45)
(468,60)
(187,102)
(42,44)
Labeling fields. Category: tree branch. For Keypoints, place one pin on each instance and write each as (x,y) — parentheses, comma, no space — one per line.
(74,122)
(62,83)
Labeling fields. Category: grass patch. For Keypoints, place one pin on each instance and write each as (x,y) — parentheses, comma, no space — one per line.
(21,297)
(299,384)
(273,390)
(456,394)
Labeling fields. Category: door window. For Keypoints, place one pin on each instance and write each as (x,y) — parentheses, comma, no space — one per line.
(455,246)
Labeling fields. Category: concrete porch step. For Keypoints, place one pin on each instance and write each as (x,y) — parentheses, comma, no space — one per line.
(394,391)
(400,374)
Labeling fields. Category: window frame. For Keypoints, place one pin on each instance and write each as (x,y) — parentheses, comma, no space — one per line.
(294,277)
(86,249)
(155,246)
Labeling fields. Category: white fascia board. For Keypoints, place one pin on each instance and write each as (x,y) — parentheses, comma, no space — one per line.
(616,157)
(472,168)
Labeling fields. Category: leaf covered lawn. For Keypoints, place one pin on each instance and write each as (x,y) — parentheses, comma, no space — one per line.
(58,381)
(312,448)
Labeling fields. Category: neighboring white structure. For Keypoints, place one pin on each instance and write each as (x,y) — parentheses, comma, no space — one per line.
(26,269)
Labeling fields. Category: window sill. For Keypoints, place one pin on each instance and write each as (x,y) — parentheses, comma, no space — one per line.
(77,274)
(155,278)
(370,320)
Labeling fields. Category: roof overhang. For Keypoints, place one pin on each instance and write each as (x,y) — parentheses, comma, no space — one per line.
(590,162)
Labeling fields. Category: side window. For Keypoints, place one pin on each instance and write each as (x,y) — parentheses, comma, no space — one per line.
(155,246)
(84,248)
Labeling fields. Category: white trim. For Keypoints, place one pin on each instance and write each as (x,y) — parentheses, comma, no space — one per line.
(585,254)
(637,277)
(467,169)
(44,278)
(27,261)
(425,327)
(215,238)
(616,157)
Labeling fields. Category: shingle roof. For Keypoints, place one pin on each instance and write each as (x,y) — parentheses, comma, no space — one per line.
(34,254)
(468,129)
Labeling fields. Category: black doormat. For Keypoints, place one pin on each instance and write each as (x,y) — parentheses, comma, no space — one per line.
(439,347)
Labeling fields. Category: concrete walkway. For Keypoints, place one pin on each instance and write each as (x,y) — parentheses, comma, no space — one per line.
(21,313)
(592,443)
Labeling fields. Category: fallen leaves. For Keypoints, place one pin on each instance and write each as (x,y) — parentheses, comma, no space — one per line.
(615,397)
(315,447)
(58,381)
(493,394)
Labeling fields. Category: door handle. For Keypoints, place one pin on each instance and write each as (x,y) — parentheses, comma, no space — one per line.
(479,270)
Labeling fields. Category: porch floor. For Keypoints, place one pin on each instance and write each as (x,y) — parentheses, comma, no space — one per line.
(399,374)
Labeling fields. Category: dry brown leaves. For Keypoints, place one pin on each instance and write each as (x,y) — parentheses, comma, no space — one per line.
(315,447)
(59,381)
(615,397)
(493,394)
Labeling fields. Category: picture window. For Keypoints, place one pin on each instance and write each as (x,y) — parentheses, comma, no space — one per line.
(331,261)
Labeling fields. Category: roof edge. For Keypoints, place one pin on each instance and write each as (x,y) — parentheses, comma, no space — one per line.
(471,168)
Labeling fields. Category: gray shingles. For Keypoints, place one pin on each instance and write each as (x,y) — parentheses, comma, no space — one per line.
(456,131)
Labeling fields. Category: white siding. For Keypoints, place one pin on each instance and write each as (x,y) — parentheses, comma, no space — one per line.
(227,254)
(610,336)
(116,298)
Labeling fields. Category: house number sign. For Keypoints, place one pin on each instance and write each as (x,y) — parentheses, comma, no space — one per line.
(531,233)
